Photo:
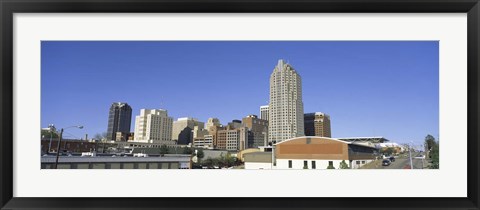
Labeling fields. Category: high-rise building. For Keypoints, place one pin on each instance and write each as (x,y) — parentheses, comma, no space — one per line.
(182,129)
(153,126)
(234,124)
(202,138)
(285,111)
(317,124)
(232,139)
(264,112)
(212,122)
(199,131)
(213,131)
(119,120)
(258,130)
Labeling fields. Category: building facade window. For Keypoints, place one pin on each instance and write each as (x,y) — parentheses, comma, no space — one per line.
(314,166)
(305,164)
(290,164)
(330,163)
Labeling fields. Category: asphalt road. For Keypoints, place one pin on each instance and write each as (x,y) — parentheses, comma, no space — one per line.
(404,163)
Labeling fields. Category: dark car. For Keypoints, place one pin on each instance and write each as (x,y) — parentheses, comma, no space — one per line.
(386,162)
(392,159)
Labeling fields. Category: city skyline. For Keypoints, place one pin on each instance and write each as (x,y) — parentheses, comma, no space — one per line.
(203,79)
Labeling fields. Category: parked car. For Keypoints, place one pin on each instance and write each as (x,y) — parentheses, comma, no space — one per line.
(392,159)
(386,162)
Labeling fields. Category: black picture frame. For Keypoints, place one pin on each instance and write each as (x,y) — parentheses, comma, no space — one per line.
(9,7)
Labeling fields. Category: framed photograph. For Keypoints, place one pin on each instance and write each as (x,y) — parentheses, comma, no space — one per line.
(239,105)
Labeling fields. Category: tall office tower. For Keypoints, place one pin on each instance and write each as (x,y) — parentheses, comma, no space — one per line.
(153,126)
(119,120)
(285,114)
(317,124)
(182,129)
(212,122)
(258,131)
(264,112)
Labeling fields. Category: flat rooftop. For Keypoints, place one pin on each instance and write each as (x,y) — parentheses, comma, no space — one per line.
(110,159)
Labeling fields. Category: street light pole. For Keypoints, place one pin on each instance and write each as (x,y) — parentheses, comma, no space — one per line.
(410,152)
(58,148)
(60,141)
(52,128)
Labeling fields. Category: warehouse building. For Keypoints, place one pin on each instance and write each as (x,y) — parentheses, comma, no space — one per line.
(312,152)
(118,162)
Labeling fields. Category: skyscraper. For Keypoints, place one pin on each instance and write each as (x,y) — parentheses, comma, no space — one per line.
(258,129)
(182,129)
(317,124)
(119,120)
(153,126)
(285,118)
(264,112)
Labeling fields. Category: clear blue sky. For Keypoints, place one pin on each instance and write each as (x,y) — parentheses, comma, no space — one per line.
(369,88)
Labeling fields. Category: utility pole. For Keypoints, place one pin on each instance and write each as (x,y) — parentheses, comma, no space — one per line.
(410,152)
(52,129)
(60,141)
(58,148)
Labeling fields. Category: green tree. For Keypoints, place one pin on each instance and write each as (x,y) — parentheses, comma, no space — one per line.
(208,162)
(164,149)
(343,165)
(228,160)
(330,167)
(200,153)
(430,141)
(46,134)
(187,150)
(435,154)
(388,150)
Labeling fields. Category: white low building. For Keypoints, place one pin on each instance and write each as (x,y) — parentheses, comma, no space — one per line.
(258,160)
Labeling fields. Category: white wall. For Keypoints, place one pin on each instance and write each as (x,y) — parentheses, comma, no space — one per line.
(320,164)
(355,165)
(252,165)
(298,164)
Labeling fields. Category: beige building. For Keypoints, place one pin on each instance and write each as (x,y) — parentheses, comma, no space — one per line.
(211,123)
(153,125)
(198,132)
(258,160)
(213,131)
(311,152)
(285,111)
(182,129)
(258,131)
(264,112)
(232,139)
(317,124)
(205,141)
(234,124)
(202,138)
